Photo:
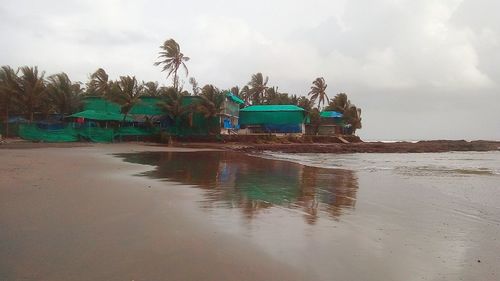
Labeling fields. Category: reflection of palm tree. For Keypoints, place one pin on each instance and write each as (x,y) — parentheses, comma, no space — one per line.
(172,59)
(307,199)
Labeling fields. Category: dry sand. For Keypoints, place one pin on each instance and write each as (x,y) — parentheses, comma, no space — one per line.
(77,213)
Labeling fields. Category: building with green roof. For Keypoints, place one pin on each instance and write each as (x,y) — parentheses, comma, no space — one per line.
(257,119)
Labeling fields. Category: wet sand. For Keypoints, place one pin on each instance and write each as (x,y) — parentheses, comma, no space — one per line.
(79,214)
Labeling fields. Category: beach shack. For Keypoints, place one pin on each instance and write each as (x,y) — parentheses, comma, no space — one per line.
(276,119)
(331,123)
(230,114)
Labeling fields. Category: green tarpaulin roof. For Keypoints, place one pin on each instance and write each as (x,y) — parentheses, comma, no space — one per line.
(276,107)
(101,115)
(234,98)
(332,114)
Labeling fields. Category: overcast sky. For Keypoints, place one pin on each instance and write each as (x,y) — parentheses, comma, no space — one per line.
(424,69)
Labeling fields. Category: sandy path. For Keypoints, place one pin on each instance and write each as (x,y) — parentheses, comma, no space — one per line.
(77,214)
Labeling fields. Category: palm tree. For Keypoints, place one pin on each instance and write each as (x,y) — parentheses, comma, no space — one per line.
(245,94)
(151,89)
(172,104)
(235,90)
(31,90)
(211,105)
(8,85)
(318,91)
(305,103)
(99,83)
(194,84)
(172,59)
(127,94)
(62,94)
(352,116)
(339,103)
(258,87)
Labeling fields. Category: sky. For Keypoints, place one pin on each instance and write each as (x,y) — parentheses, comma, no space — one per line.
(427,69)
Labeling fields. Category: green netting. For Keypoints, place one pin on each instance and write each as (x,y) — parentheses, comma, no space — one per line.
(96,134)
(146,106)
(135,131)
(70,134)
(33,133)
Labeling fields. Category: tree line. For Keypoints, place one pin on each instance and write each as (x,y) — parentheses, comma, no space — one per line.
(27,91)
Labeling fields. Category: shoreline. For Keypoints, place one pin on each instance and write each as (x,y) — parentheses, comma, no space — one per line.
(435,146)
(431,146)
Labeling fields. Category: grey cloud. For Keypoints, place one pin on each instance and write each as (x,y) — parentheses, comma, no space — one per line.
(419,69)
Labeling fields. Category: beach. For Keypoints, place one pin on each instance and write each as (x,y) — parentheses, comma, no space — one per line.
(148,212)
(76,213)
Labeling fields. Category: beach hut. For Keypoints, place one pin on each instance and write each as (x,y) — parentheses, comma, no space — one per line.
(279,119)
(230,114)
(331,123)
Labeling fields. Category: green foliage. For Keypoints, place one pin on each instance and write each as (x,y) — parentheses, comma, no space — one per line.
(352,114)
(30,90)
(172,104)
(211,105)
(151,89)
(257,88)
(63,95)
(99,84)
(126,92)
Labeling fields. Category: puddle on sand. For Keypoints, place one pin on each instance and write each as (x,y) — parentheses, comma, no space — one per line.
(234,180)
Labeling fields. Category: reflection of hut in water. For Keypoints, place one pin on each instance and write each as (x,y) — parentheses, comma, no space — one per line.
(234,180)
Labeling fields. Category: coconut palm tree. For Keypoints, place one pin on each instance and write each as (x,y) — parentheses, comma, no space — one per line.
(318,91)
(62,94)
(151,89)
(339,103)
(352,116)
(212,101)
(30,90)
(245,94)
(127,93)
(194,84)
(172,59)
(8,85)
(211,105)
(305,103)
(99,84)
(172,104)
(258,87)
